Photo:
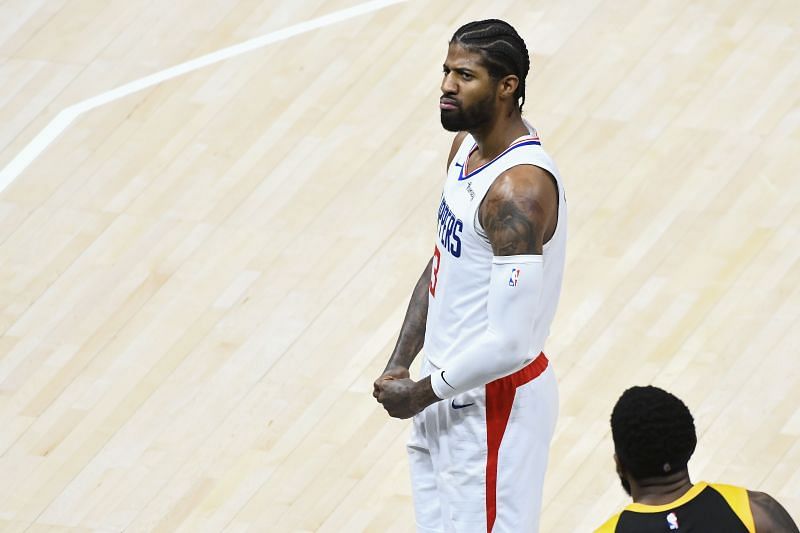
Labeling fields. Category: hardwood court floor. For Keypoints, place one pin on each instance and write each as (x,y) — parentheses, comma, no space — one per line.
(199,281)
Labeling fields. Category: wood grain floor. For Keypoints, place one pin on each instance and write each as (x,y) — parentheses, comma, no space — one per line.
(198,282)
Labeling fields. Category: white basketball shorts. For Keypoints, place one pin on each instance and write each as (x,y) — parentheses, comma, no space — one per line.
(478,460)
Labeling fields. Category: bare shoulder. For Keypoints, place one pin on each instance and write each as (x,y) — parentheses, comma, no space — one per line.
(525,182)
(769,515)
(457,140)
(519,210)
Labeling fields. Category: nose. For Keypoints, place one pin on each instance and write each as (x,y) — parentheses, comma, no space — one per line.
(449,86)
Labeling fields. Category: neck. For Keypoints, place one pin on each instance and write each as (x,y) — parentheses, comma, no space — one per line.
(496,136)
(660,490)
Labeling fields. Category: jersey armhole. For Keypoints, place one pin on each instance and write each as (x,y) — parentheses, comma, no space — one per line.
(466,144)
(739,502)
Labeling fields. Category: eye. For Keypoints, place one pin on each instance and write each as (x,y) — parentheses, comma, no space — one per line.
(466,76)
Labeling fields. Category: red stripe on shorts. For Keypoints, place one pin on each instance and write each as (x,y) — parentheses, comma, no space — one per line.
(499,400)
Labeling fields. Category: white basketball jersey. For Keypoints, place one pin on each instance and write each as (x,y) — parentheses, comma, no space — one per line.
(462,262)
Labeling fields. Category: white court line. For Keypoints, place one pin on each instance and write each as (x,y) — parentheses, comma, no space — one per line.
(65,117)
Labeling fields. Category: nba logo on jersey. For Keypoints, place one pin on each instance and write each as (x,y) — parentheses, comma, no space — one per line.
(512,281)
(672,520)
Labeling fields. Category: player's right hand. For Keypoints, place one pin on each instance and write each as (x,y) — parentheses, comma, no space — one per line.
(397,372)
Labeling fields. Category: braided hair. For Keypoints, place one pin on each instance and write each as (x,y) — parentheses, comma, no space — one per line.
(653,432)
(501,47)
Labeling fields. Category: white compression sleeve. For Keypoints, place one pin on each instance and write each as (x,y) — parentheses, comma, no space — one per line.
(515,290)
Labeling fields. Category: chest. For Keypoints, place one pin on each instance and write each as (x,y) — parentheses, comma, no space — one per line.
(458,226)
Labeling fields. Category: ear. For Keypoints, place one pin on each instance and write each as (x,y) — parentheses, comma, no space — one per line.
(507,86)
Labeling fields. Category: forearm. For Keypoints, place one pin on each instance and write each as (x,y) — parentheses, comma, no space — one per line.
(412,333)
(490,358)
(506,344)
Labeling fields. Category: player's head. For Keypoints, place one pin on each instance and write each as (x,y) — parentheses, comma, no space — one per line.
(495,60)
(653,434)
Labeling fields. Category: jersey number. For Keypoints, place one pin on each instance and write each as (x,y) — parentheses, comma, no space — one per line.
(437,260)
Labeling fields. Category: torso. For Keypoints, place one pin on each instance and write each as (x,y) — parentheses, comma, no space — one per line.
(462,257)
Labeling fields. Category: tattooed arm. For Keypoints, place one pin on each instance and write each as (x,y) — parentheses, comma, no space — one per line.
(769,516)
(520,211)
(412,334)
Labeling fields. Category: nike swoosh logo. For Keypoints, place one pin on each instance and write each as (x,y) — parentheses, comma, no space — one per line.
(445,381)
(460,406)
(461,165)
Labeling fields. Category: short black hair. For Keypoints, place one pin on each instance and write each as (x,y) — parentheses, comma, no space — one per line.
(653,432)
(501,47)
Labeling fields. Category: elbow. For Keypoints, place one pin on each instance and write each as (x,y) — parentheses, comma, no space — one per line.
(513,352)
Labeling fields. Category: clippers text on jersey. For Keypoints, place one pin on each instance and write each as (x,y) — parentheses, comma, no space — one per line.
(450,229)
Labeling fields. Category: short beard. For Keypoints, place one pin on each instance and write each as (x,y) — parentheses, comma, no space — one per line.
(471,118)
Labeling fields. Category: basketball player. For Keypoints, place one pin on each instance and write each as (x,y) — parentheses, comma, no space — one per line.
(485,410)
(654,438)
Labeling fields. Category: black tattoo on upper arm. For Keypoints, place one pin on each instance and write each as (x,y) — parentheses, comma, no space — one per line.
(512,222)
